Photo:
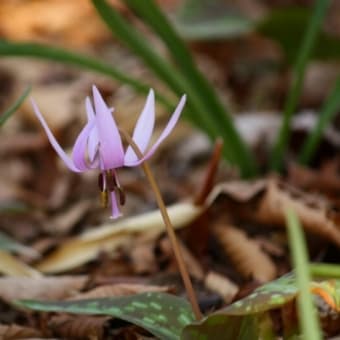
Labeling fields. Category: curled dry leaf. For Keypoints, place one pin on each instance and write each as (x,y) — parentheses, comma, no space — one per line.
(315,213)
(119,289)
(43,288)
(111,236)
(79,326)
(11,266)
(245,254)
(18,332)
(221,285)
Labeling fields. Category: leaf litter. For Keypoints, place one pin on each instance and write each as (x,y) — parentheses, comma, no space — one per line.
(227,226)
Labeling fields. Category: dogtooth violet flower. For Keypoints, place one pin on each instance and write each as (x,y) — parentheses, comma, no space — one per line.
(99,144)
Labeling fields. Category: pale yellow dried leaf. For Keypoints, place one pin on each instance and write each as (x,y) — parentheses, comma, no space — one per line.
(11,266)
(112,236)
(221,285)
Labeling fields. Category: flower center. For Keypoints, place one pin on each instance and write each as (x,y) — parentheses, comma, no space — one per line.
(107,182)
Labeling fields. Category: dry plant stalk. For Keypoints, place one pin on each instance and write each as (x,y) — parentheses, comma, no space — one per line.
(313,212)
(245,254)
(221,285)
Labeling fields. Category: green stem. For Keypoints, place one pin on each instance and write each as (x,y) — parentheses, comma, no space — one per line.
(307,315)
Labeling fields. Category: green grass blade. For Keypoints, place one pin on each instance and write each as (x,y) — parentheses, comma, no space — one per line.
(298,75)
(151,14)
(307,314)
(327,270)
(198,111)
(327,113)
(14,107)
(140,46)
(67,57)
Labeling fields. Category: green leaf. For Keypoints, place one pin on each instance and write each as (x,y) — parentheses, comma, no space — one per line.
(163,315)
(222,327)
(329,110)
(210,20)
(307,314)
(14,107)
(307,46)
(235,148)
(58,54)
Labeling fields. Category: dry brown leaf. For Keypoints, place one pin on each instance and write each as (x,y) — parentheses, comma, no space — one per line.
(112,236)
(64,222)
(245,253)
(56,21)
(43,288)
(313,211)
(11,266)
(119,289)
(79,326)
(142,257)
(12,332)
(221,285)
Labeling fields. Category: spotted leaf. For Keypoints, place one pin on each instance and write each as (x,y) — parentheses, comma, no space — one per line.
(163,315)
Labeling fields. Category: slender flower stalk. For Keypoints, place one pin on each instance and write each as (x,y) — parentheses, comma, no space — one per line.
(169,228)
(99,144)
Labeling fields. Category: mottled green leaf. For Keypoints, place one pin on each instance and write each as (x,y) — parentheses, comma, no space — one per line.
(222,327)
(163,315)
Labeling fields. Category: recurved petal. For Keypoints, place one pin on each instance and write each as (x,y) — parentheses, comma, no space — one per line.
(80,147)
(171,124)
(144,128)
(110,148)
(56,146)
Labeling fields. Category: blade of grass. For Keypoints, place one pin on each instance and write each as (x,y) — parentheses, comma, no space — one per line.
(140,46)
(308,43)
(151,14)
(308,320)
(67,57)
(327,270)
(330,108)
(200,113)
(14,107)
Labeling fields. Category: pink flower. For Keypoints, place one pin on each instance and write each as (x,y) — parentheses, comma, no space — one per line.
(99,144)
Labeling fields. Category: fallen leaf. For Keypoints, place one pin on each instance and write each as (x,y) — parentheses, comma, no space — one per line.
(222,285)
(45,288)
(9,265)
(245,253)
(18,332)
(119,289)
(110,237)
